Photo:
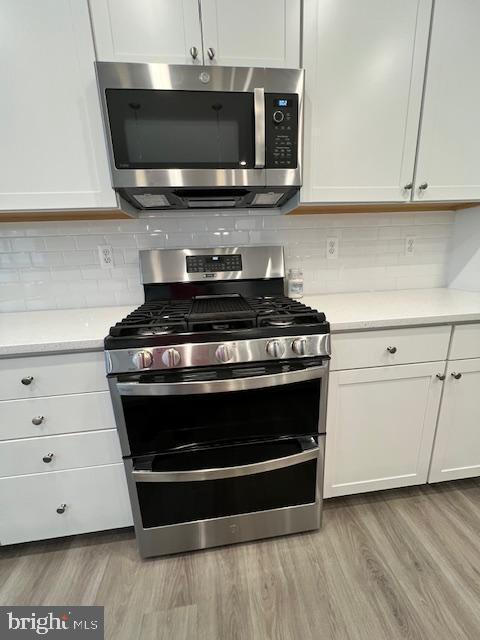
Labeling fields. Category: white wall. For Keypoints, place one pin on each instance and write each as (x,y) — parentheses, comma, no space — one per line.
(464,266)
(51,265)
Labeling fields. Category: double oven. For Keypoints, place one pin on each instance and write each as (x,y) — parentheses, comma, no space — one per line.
(224,454)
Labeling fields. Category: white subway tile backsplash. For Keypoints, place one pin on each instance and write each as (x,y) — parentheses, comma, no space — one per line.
(56,265)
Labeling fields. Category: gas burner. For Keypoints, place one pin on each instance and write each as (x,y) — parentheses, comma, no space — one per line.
(281,323)
(156,331)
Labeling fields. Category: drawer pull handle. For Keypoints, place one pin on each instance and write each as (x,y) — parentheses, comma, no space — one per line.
(61,508)
(48,458)
(441,376)
(392,349)
(27,380)
(38,420)
(457,376)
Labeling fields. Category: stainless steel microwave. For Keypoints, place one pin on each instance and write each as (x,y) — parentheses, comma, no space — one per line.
(188,137)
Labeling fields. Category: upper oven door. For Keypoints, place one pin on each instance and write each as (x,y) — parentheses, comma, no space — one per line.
(182,126)
(165,412)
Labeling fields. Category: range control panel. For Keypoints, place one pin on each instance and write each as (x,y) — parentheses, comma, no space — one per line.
(281,130)
(208,264)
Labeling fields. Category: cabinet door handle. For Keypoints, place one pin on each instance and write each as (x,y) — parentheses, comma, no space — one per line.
(392,349)
(423,186)
(48,458)
(457,376)
(27,380)
(61,508)
(408,186)
(211,53)
(441,376)
(194,52)
(38,420)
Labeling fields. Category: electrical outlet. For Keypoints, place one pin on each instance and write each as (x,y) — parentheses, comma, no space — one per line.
(409,246)
(332,248)
(106,256)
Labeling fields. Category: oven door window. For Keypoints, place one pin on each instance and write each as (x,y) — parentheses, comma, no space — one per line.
(244,481)
(159,423)
(153,129)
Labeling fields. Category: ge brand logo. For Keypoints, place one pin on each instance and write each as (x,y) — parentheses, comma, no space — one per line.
(204,77)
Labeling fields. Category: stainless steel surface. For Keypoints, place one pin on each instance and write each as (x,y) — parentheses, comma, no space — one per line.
(441,376)
(259,111)
(223,353)
(457,376)
(309,453)
(220,386)
(170,265)
(211,53)
(61,508)
(48,458)
(299,346)
(392,349)
(194,52)
(37,420)
(171,358)
(203,354)
(142,359)
(275,348)
(423,186)
(27,380)
(215,532)
(119,75)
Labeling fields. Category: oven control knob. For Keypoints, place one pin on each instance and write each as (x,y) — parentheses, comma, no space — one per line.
(143,359)
(278,116)
(171,358)
(299,346)
(223,353)
(275,348)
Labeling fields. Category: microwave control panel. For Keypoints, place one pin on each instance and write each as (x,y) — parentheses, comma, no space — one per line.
(281,130)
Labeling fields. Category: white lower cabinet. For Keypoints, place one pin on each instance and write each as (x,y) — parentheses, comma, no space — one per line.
(456,452)
(91,499)
(380,427)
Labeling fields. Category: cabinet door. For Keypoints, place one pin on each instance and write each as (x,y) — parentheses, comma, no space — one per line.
(450,133)
(251,33)
(380,427)
(364,70)
(53,153)
(147,31)
(456,453)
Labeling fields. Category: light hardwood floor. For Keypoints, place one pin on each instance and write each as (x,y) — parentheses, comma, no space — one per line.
(396,564)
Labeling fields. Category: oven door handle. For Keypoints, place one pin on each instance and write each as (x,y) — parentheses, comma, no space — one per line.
(219,386)
(259,111)
(310,452)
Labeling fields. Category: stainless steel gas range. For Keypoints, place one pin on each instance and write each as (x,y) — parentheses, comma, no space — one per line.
(219,387)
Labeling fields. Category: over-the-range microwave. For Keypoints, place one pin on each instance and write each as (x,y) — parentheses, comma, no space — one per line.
(188,137)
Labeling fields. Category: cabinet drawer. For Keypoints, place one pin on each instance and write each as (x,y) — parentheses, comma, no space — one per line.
(56,414)
(57,453)
(52,375)
(371,348)
(465,342)
(96,498)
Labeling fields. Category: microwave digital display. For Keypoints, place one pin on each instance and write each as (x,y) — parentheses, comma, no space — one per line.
(283,102)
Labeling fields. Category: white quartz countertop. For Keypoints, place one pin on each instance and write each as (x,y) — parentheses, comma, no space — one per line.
(33,332)
(382,309)
(57,330)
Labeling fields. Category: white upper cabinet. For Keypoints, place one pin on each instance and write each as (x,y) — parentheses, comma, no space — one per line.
(364,71)
(53,148)
(448,166)
(147,31)
(251,33)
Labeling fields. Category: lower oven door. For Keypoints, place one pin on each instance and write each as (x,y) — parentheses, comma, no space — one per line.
(211,485)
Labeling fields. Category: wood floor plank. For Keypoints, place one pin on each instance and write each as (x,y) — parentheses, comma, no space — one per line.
(394,565)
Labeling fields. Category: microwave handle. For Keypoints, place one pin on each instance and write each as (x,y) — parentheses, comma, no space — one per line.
(259,110)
